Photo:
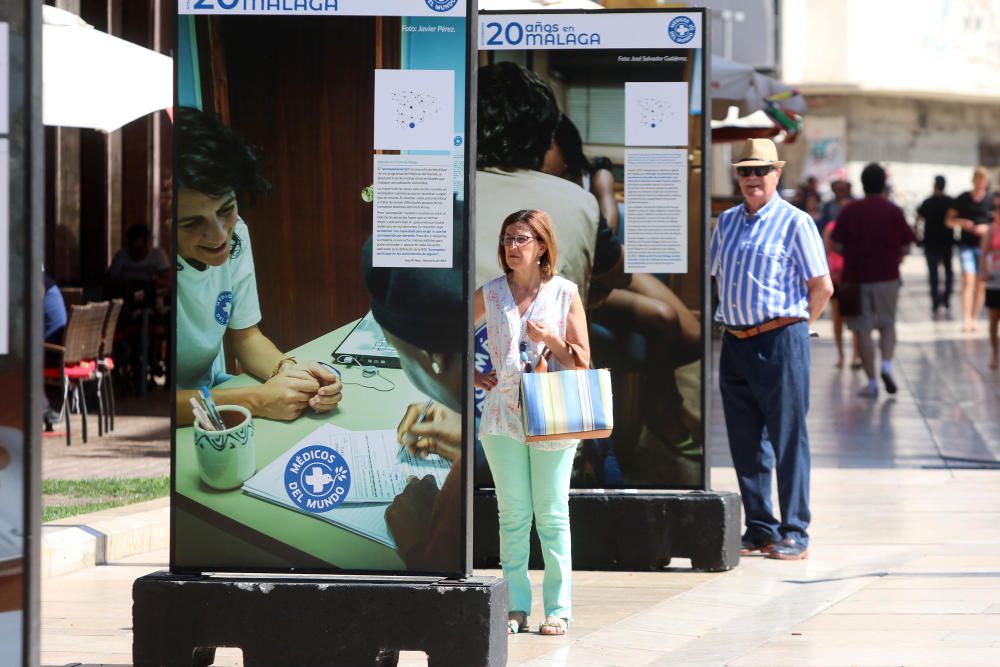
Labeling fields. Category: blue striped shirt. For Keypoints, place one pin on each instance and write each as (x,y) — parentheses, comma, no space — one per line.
(762,262)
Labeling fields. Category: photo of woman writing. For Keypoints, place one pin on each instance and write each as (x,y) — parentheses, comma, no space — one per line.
(527,310)
(217,287)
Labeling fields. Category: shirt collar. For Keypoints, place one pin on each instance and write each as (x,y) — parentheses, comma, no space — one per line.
(765,209)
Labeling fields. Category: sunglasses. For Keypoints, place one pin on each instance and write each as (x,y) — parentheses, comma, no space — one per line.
(743,172)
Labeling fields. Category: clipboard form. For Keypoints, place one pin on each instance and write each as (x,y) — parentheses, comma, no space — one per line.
(377,477)
(366,344)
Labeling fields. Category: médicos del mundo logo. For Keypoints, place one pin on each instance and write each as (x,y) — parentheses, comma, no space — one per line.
(681,30)
(441,5)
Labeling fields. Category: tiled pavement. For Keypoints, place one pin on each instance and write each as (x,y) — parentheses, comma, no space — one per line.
(905,562)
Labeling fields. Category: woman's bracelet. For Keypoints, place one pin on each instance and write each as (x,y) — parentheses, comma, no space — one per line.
(281,362)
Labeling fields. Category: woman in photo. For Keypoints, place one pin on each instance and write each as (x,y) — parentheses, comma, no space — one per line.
(217,287)
(527,310)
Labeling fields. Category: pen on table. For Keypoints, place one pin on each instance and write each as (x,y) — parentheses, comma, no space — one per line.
(199,415)
(409,439)
(211,410)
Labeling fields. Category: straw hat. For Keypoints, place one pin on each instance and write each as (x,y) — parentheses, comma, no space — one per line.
(759,153)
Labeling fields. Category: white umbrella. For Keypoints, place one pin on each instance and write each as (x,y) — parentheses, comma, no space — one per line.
(91,79)
(739,85)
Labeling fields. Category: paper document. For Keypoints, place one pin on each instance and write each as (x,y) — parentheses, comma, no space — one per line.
(377,477)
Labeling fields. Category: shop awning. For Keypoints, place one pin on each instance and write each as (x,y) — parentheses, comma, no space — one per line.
(91,79)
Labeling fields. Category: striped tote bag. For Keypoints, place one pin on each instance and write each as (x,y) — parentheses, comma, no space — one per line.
(566,405)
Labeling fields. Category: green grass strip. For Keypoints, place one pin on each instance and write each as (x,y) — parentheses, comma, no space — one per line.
(100,494)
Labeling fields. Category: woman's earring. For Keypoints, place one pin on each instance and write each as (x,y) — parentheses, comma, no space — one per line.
(436,367)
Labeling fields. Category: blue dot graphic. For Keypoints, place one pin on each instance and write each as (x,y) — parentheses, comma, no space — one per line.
(652,124)
(412,125)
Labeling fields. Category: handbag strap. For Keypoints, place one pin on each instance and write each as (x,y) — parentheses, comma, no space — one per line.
(542,363)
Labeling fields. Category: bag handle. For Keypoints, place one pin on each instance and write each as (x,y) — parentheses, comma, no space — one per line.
(542,364)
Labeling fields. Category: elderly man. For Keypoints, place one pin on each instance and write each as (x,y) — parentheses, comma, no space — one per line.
(770,266)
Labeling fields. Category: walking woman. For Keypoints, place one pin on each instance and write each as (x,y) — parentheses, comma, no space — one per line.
(527,310)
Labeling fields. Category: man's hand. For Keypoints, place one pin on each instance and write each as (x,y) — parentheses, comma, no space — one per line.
(409,518)
(820,291)
(439,433)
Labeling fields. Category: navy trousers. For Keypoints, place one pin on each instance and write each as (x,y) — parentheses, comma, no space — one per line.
(765,385)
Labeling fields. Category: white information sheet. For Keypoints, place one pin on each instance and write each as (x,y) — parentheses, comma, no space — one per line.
(412,211)
(4,245)
(414,109)
(656,113)
(656,216)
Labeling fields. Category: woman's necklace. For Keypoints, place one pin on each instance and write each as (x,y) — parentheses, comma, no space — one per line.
(523,338)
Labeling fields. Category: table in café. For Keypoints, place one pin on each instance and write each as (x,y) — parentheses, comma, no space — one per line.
(281,533)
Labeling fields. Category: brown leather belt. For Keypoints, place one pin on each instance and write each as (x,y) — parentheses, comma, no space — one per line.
(764,327)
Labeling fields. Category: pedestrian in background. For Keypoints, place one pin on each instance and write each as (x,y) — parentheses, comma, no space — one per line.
(873,237)
(841,197)
(770,266)
(969,217)
(938,242)
(991,276)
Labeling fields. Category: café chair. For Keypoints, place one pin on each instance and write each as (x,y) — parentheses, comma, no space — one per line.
(78,362)
(106,362)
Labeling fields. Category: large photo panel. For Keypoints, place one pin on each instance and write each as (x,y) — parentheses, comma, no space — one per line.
(621,96)
(321,308)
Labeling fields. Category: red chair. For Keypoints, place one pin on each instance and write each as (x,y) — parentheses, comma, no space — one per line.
(79,353)
(106,362)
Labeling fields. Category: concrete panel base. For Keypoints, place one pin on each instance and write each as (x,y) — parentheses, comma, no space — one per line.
(179,620)
(631,532)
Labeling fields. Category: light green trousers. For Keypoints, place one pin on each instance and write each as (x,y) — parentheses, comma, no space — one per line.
(530,482)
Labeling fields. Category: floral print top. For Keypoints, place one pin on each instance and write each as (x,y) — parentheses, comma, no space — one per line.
(506,331)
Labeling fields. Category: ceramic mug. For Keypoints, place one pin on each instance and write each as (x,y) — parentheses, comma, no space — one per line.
(227,458)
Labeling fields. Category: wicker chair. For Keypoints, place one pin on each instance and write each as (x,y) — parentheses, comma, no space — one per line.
(80,350)
(106,362)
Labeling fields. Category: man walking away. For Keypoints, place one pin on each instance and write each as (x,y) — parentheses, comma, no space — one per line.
(773,280)
(873,237)
(938,242)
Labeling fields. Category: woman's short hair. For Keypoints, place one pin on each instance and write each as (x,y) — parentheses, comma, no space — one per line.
(213,158)
(541,226)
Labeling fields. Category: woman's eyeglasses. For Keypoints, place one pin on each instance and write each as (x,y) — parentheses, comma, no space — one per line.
(516,241)
(743,172)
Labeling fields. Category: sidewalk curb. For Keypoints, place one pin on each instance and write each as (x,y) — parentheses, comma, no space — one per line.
(86,540)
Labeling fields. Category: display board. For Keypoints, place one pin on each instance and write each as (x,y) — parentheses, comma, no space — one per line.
(21,290)
(322,296)
(623,179)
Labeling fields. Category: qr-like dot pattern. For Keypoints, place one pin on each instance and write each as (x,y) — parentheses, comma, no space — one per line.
(654,111)
(414,108)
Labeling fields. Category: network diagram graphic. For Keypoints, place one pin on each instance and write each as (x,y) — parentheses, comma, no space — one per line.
(414,108)
(654,111)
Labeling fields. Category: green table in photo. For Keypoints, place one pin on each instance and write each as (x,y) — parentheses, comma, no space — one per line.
(362,409)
